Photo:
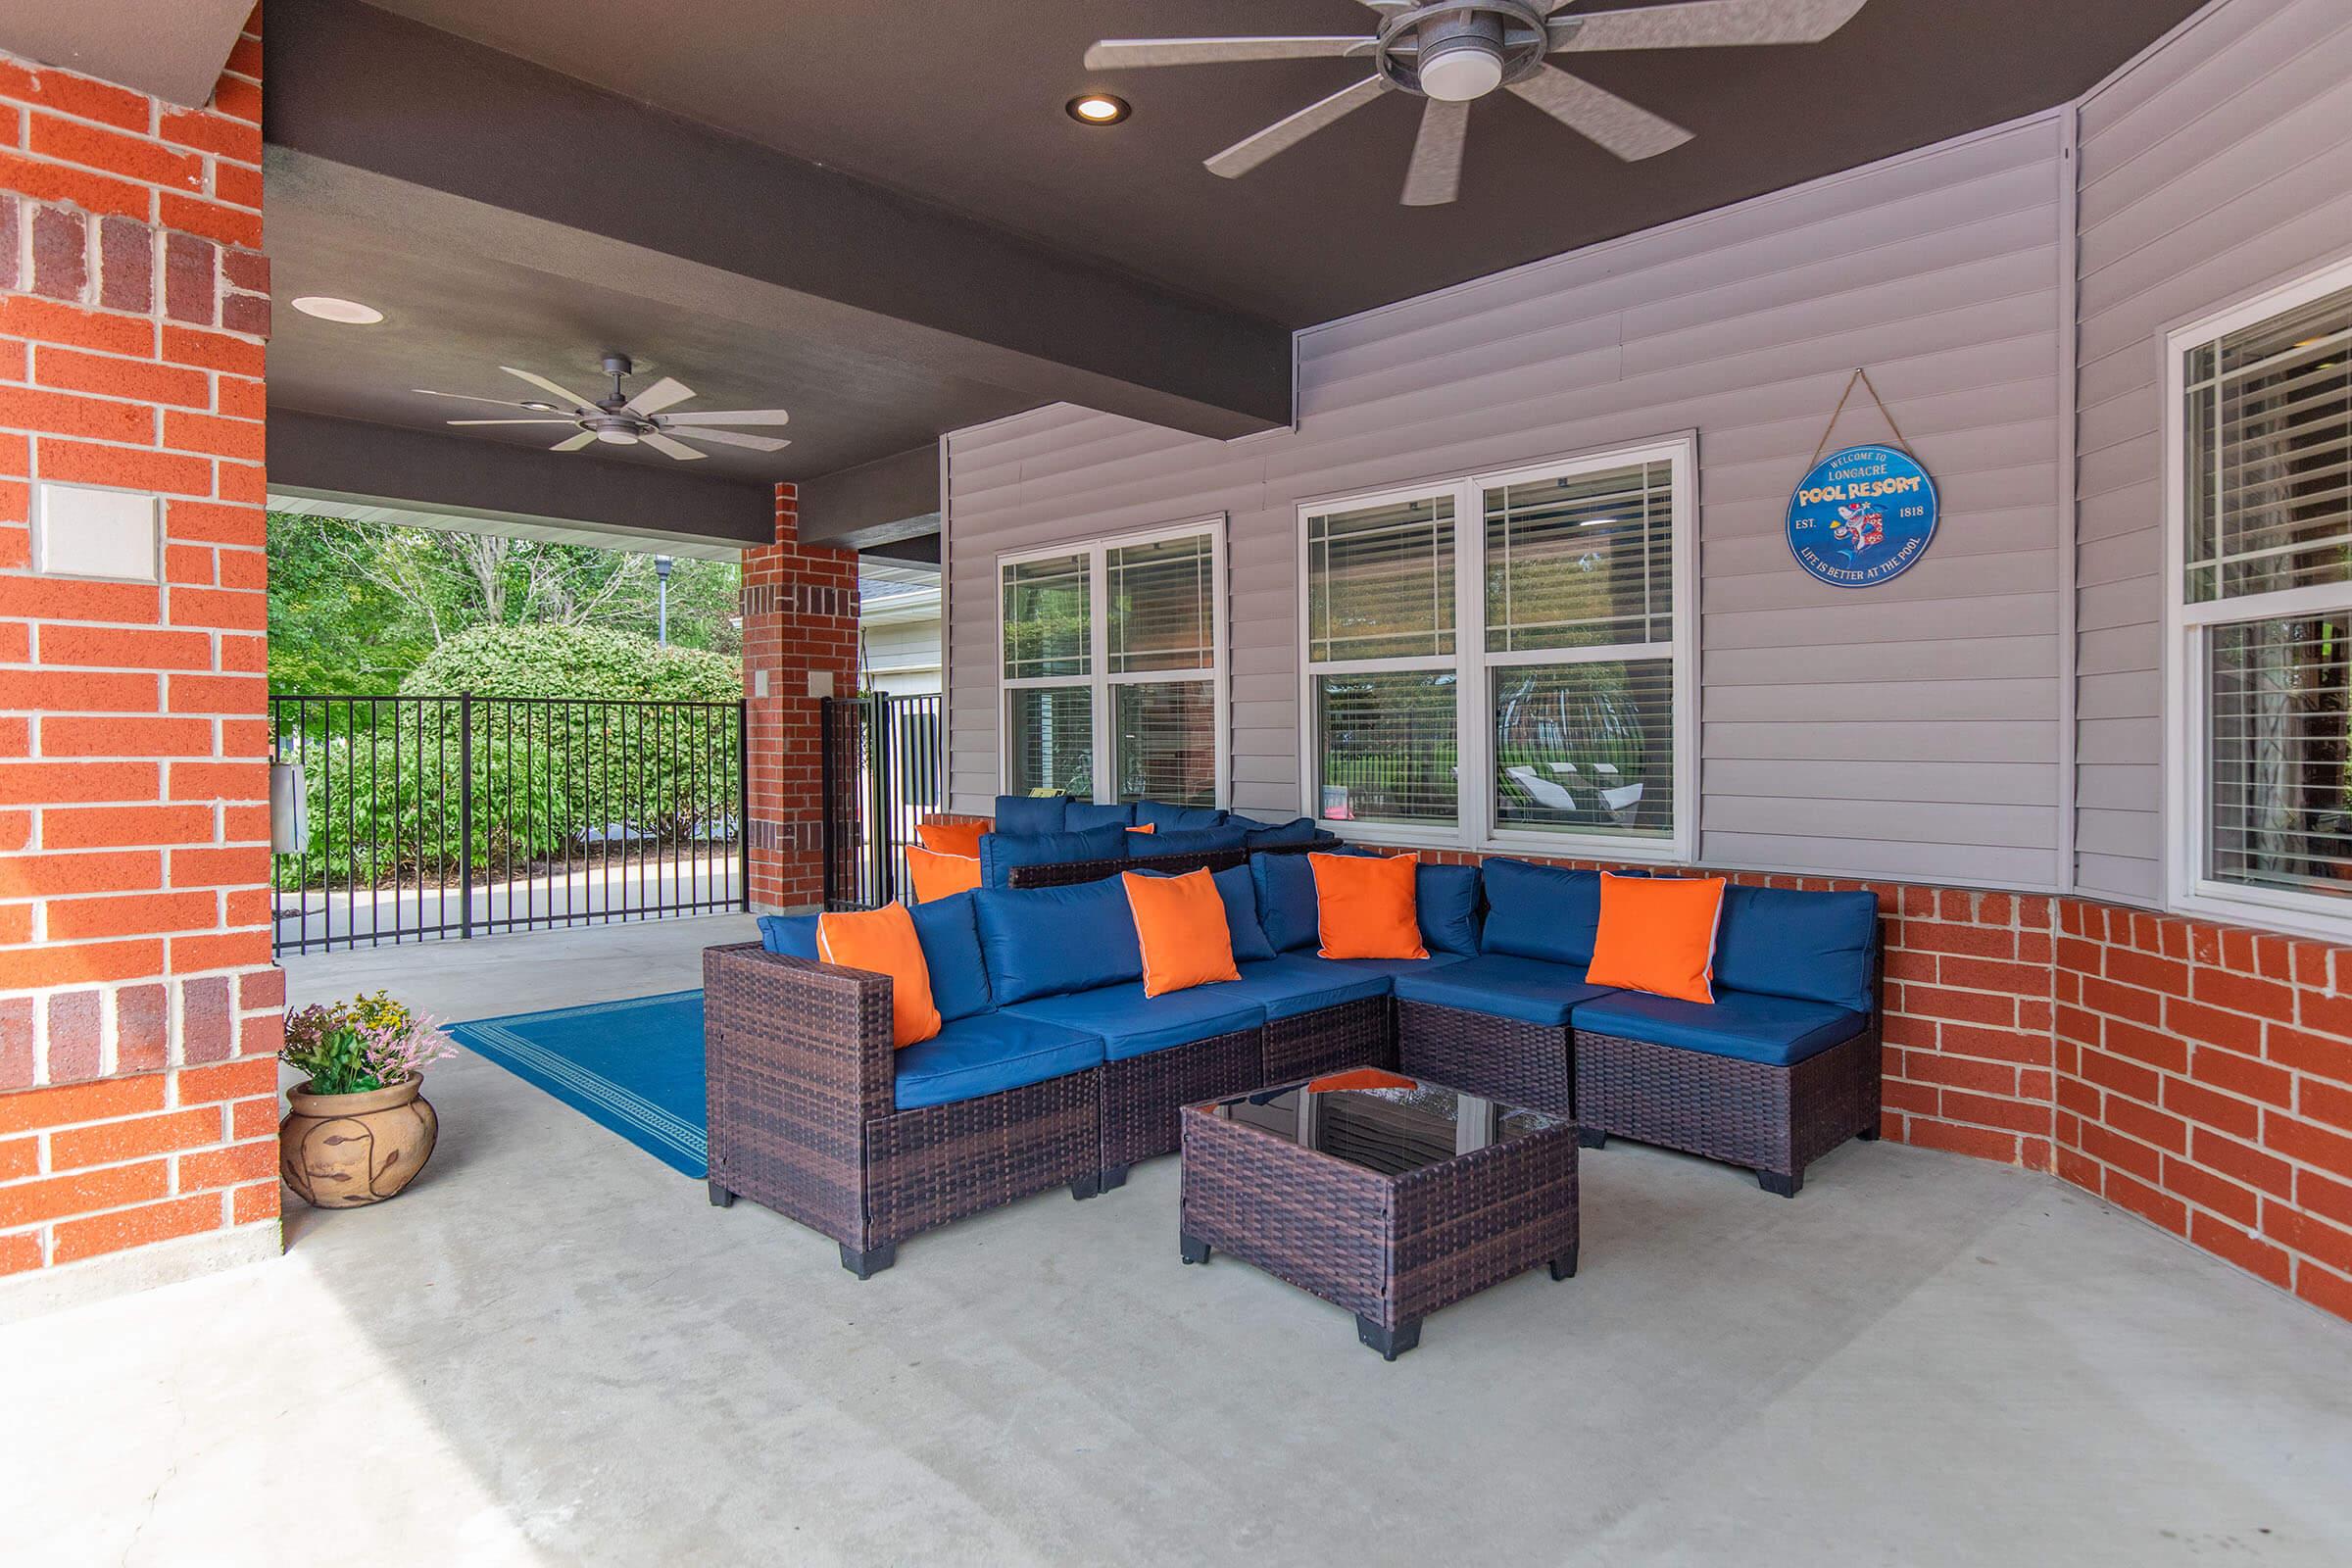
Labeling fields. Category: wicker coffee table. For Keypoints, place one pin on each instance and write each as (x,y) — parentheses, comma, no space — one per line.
(1388,1196)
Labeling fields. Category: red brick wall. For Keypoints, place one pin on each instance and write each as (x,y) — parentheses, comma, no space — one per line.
(138,1008)
(800,614)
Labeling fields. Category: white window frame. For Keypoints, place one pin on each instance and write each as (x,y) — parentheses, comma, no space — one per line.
(2186,627)
(1099,679)
(1474,826)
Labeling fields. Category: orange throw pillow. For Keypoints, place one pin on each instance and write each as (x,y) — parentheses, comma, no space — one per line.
(1148,827)
(883,941)
(1180,924)
(1364,905)
(1658,934)
(950,838)
(1361,1078)
(941,876)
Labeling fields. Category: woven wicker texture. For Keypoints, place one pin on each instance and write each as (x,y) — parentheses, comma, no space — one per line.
(1767,1118)
(1500,1058)
(1353,1034)
(929,1166)
(1142,1094)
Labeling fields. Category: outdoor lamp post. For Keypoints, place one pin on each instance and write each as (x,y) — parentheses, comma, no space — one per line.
(661,564)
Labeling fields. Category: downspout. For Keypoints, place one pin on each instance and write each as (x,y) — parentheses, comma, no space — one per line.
(2070,124)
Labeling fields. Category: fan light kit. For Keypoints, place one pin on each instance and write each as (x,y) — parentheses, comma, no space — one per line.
(347,313)
(621,421)
(1098,109)
(1452,53)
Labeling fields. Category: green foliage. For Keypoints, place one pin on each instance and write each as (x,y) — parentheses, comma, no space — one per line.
(573,662)
(334,627)
(370,1043)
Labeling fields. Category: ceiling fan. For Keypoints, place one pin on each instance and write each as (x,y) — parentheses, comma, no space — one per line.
(624,421)
(1453,52)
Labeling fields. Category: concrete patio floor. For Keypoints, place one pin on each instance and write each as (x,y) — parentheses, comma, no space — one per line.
(552,1349)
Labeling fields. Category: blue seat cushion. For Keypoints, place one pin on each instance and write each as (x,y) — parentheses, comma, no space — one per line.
(792,935)
(1816,947)
(1390,967)
(1540,911)
(1132,1025)
(1002,853)
(989,1053)
(1041,942)
(1085,814)
(1775,1030)
(1530,990)
(1024,815)
(1162,817)
(1189,840)
(1297,982)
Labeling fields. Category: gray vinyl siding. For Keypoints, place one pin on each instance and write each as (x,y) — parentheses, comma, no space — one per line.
(2221,163)
(1909,730)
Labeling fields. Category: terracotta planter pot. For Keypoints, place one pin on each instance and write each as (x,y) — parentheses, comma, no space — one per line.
(345,1151)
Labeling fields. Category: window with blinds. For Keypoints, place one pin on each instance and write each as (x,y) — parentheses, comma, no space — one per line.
(1112,690)
(2264,434)
(1524,677)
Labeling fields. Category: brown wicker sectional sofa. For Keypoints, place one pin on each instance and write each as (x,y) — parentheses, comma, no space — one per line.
(1054,1070)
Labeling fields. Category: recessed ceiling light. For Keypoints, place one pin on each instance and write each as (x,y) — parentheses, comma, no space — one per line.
(1098,109)
(351,313)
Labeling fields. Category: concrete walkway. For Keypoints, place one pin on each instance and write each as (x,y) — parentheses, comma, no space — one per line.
(552,1349)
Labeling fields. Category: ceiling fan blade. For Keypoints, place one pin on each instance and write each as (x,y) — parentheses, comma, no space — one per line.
(545,385)
(729,416)
(758,443)
(1251,151)
(574,443)
(467,397)
(668,448)
(1629,130)
(1435,175)
(508,421)
(1119,54)
(1704,24)
(661,395)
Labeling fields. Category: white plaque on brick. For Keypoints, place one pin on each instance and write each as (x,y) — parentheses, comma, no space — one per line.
(82,532)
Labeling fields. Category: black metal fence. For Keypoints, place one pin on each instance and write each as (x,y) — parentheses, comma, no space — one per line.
(456,816)
(884,760)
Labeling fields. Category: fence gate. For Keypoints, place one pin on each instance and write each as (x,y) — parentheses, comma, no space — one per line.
(459,817)
(881,775)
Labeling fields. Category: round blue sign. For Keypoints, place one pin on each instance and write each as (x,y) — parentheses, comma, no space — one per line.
(1862,516)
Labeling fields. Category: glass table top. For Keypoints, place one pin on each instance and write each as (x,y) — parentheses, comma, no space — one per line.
(1383,1121)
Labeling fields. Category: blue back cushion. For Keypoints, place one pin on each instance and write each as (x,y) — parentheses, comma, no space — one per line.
(1022,815)
(1044,942)
(951,943)
(1265,835)
(792,935)
(950,940)
(1447,900)
(1539,912)
(1188,841)
(1239,890)
(1000,852)
(1162,818)
(1286,901)
(1815,947)
(1085,814)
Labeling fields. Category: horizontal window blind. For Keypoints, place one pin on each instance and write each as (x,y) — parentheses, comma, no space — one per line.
(1389,746)
(1380,581)
(2276,743)
(1581,560)
(1050,740)
(1585,748)
(1162,613)
(1048,609)
(1168,741)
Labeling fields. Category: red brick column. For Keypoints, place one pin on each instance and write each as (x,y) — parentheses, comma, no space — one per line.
(138,1007)
(800,630)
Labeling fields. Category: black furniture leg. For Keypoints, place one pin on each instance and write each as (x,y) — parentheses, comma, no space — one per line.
(1868,1135)
(1591,1138)
(1194,1251)
(720,1198)
(1390,1343)
(871,1262)
(1115,1177)
(1563,1267)
(1086,1187)
(1772,1181)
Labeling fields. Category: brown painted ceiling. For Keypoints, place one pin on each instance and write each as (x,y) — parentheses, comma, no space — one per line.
(961,105)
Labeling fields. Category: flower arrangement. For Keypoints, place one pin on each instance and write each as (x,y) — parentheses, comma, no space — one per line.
(371,1041)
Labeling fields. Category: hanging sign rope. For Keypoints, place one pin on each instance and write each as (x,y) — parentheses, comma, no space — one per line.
(1865,514)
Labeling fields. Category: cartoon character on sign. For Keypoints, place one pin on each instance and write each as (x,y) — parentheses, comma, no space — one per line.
(1863,525)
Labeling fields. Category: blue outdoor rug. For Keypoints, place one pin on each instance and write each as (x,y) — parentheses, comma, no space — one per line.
(635,1067)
